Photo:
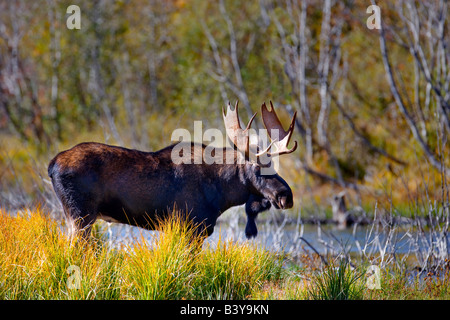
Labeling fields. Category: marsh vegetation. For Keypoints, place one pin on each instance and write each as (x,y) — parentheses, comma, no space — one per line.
(172,266)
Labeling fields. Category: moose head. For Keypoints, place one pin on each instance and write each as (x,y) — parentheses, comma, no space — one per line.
(267,187)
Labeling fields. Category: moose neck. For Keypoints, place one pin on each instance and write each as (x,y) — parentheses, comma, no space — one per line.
(234,184)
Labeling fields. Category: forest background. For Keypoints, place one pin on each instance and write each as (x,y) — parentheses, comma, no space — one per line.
(373,104)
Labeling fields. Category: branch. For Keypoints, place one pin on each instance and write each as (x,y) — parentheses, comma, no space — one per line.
(409,119)
(361,135)
(218,76)
(234,59)
(326,178)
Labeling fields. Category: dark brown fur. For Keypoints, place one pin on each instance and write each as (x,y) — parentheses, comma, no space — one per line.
(95,180)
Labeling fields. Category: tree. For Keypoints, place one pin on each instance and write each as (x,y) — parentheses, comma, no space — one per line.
(19,85)
(426,109)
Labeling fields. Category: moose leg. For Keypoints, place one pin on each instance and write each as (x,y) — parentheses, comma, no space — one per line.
(79,203)
(79,222)
(204,227)
(84,225)
(253,206)
(80,216)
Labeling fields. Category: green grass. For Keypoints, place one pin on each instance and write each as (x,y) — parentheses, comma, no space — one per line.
(398,285)
(336,282)
(234,271)
(166,269)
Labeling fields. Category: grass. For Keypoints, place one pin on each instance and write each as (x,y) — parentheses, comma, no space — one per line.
(398,285)
(337,282)
(166,269)
(234,271)
(35,260)
(38,261)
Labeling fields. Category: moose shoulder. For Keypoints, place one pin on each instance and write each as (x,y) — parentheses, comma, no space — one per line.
(94,180)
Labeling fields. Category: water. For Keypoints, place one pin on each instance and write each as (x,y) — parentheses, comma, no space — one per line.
(295,237)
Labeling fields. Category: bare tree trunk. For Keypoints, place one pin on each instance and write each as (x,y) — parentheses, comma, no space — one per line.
(124,70)
(219,74)
(323,69)
(417,52)
(55,34)
(98,88)
(439,83)
(152,59)
(241,92)
(230,79)
(18,85)
(304,107)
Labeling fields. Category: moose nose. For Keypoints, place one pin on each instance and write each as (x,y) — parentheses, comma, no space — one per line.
(285,201)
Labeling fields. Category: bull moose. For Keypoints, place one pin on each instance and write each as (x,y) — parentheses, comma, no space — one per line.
(94,180)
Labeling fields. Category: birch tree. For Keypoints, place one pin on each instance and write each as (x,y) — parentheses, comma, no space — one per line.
(422,32)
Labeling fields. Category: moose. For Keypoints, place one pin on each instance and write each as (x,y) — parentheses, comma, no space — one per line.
(94,180)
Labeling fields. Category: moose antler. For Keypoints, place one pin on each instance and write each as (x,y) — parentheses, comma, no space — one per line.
(280,138)
(235,132)
(240,137)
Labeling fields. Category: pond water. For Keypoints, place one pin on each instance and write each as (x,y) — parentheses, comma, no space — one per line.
(295,237)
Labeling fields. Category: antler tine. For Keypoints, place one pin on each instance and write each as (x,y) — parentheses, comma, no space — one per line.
(272,122)
(235,132)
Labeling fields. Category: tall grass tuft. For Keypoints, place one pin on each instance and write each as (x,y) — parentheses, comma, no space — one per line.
(37,261)
(166,268)
(174,266)
(234,271)
(336,282)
